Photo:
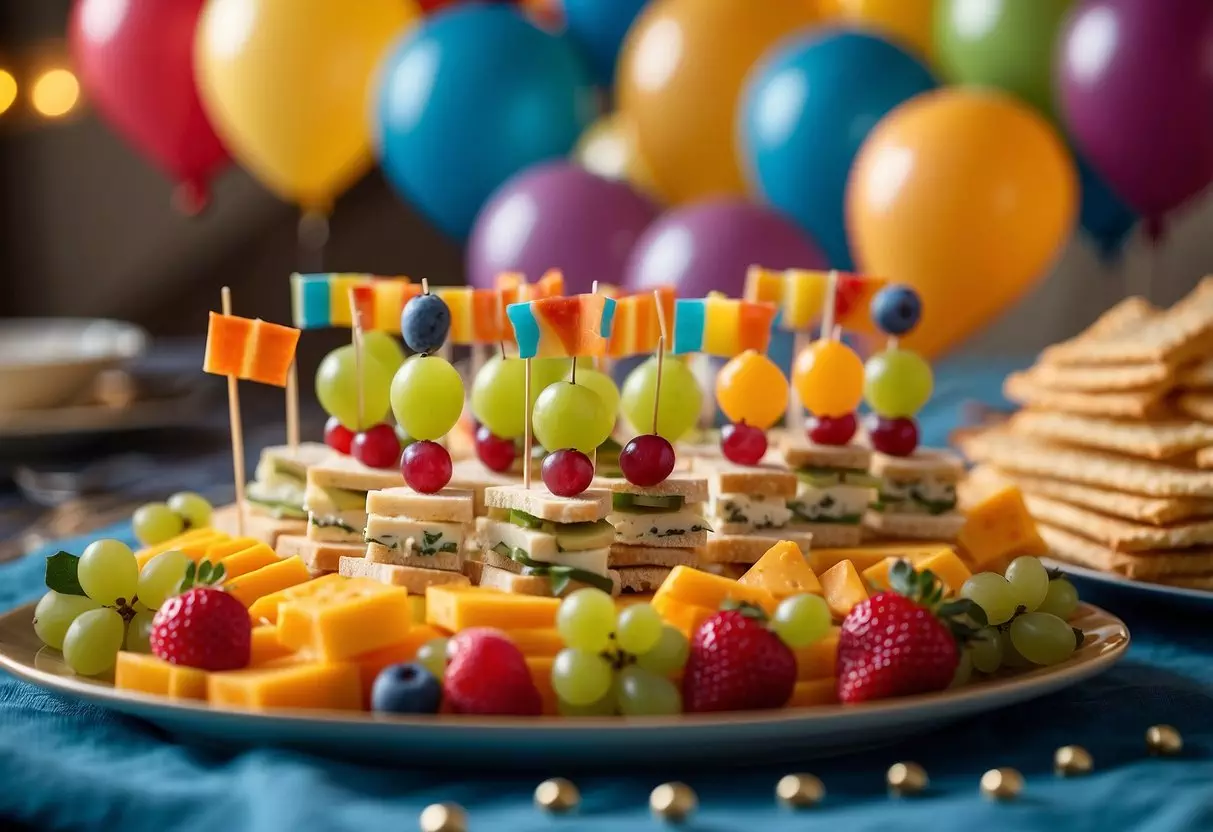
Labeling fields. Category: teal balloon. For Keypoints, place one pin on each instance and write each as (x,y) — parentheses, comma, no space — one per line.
(1104,216)
(470,97)
(806,110)
(598,27)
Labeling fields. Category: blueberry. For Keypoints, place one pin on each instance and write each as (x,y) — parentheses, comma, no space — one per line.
(406,689)
(896,309)
(425,322)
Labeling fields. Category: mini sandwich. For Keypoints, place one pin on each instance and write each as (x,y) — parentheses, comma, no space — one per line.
(833,491)
(656,528)
(336,498)
(536,543)
(917,496)
(748,511)
(320,557)
(274,499)
(472,475)
(414,540)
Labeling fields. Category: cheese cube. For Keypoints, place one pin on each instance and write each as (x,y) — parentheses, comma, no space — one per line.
(455,608)
(417,607)
(1000,528)
(220,550)
(314,685)
(876,577)
(782,571)
(814,692)
(248,560)
(261,582)
(147,674)
(691,586)
(265,647)
(686,618)
(537,642)
(541,675)
(193,543)
(340,621)
(817,661)
(948,567)
(842,588)
(265,608)
(865,556)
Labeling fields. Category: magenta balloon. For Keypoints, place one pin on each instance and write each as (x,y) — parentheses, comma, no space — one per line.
(557,216)
(707,247)
(1135,87)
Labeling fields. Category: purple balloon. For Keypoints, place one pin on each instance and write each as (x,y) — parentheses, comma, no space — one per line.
(708,246)
(557,216)
(1135,87)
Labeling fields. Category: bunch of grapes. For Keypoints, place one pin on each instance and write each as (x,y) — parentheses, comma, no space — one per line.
(156,523)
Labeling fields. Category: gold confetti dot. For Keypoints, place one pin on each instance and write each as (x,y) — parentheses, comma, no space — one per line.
(1164,740)
(557,796)
(1072,761)
(673,802)
(444,817)
(799,791)
(906,779)
(1002,784)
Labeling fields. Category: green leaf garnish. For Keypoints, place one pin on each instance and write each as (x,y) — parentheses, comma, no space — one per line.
(61,574)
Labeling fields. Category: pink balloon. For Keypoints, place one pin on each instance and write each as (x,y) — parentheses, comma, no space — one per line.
(1135,88)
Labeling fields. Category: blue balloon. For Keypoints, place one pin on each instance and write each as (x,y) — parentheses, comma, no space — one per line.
(1107,220)
(805,111)
(469,98)
(598,27)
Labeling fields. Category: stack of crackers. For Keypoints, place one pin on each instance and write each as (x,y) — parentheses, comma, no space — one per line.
(1113,449)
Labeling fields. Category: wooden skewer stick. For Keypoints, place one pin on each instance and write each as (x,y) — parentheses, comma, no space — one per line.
(827,308)
(292,406)
(527,438)
(661,340)
(237,429)
(356,340)
(501,321)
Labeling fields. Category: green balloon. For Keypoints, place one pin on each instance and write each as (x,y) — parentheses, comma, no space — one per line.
(1006,44)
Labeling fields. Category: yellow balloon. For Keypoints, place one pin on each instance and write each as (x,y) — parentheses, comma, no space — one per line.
(907,22)
(286,83)
(608,148)
(680,74)
(966,195)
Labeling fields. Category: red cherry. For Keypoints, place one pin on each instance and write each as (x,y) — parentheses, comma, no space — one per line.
(426,466)
(378,447)
(832,430)
(337,436)
(567,473)
(496,453)
(647,460)
(743,444)
(895,437)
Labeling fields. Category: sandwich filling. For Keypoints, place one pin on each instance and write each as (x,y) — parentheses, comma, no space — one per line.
(414,537)
(562,552)
(757,512)
(342,510)
(641,520)
(923,495)
(278,487)
(831,495)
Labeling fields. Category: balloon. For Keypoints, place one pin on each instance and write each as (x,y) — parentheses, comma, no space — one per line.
(1103,215)
(805,112)
(906,22)
(966,195)
(135,61)
(473,96)
(598,27)
(707,247)
(557,215)
(608,148)
(680,73)
(1135,89)
(1006,44)
(286,82)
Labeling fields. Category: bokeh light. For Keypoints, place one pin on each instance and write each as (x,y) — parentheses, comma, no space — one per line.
(55,93)
(8,90)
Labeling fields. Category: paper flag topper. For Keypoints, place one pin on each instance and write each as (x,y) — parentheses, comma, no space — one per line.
(476,316)
(800,296)
(253,350)
(562,327)
(721,326)
(637,327)
(323,300)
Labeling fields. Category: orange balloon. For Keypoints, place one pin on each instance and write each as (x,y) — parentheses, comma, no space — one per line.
(679,77)
(909,23)
(966,195)
(751,388)
(829,378)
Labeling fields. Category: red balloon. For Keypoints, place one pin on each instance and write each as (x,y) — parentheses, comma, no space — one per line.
(135,59)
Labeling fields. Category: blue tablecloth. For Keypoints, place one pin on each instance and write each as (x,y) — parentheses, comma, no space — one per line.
(65,765)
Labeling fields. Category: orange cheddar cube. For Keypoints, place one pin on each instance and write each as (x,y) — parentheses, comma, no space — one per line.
(265,646)
(702,589)
(541,675)
(998,529)
(261,582)
(248,560)
(818,659)
(686,618)
(782,571)
(814,692)
(537,642)
(453,609)
(417,608)
(193,543)
(948,567)
(876,577)
(144,673)
(265,608)
(842,588)
(340,621)
(370,665)
(228,338)
(220,550)
(313,685)
(866,556)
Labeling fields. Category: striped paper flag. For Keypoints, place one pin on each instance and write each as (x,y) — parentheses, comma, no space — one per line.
(253,350)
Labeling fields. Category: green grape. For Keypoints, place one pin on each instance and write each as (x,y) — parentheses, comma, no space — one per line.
(337,387)
(194,508)
(1029,582)
(964,669)
(497,396)
(55,613)
(601,384)
(1042,638)
(639,629)
(586,619)
(603,707)
(1061,600)
(547,371)
(668,655)
(993,594)
(139,633)
(1010,656)
(581,677)
(91,645)
(383,348)
(897,383)
(107,571)
(432,656)
(986,650)
(801,620)
(571,416)
(155,523)
(641,693)
(161,577)
(681,398)
(427,397)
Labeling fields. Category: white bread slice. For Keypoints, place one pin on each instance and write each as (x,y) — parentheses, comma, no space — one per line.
(909,526)
(801,453)
(413,579)
(340,471)
(940,465)
(748,548)
(692,489)
(625,556)
(448,561)
(642,578)
(296,460)
(765,480)
(450,505)
(586,507)
(319,557)
(494,577)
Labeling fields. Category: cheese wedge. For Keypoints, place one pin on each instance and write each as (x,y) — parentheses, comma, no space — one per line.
(311,685)
(343,620)
(783,571)
(456,608)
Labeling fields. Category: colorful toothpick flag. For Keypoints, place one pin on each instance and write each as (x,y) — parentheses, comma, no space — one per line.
(475,314)
(636,326)
(319,301)
(800,295)
(721,326)
(562,327)
(252,350)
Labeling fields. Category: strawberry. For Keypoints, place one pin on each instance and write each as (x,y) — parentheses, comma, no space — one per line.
(903,641)
(203,627)
(737,664)
(487,674)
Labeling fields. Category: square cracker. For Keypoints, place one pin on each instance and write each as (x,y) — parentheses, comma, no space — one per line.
(1171,564)
(1152,440)
(1095,379)
(886,524)
(1116,533)
(1133,404)
(1197,376)
(1196,405)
